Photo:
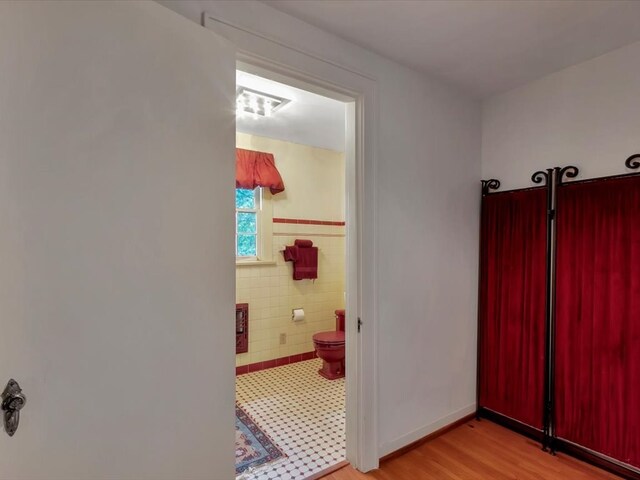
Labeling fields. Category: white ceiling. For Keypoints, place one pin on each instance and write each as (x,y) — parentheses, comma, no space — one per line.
(308,119)
(484,47)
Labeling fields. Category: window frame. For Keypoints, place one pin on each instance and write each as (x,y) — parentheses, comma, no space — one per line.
(257,198)
(264,229)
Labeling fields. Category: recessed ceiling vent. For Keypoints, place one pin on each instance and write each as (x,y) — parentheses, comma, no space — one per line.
(258,103)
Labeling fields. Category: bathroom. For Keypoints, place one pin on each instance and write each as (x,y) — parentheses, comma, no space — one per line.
(290,418)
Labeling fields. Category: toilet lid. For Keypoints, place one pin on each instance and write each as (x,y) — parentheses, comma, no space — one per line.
(329,337)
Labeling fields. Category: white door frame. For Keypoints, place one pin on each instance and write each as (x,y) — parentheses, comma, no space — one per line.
(277,60)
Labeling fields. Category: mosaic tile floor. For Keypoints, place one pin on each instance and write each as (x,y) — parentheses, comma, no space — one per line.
(302,412)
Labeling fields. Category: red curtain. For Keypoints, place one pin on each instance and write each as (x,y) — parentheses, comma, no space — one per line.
(257,169)
(512,296)
(598,317)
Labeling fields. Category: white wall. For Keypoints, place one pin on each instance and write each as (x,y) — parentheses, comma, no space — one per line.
(586,115)
(427,218)
(116,201)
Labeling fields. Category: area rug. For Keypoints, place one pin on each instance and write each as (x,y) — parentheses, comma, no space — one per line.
(254,448)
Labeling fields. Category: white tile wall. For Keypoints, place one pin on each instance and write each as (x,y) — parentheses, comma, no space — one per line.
(272,293)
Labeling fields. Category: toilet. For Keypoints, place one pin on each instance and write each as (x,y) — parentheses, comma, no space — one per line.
(330,348)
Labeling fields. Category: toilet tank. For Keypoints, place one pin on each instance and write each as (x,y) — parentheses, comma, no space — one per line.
(340,320)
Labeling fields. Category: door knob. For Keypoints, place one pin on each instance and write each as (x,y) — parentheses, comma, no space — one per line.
(12,402)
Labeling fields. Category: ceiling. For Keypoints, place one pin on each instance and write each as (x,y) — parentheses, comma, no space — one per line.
(308,119)
(484,47)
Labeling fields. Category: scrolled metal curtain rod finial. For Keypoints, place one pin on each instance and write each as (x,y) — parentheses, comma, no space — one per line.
(633,162)
(540,177)
(569,171)
(491,184)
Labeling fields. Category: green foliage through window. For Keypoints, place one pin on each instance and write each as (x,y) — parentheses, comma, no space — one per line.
(245,198)
(246,245)
(246,223)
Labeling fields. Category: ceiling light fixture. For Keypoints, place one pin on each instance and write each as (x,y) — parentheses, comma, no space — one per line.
(258,103)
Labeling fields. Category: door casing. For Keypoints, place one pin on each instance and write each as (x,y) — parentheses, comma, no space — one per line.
(274,59)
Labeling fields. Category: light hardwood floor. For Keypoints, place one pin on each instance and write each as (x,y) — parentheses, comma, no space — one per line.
(478,450)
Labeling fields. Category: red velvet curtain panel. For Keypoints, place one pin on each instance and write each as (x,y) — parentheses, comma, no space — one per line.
(597,393)
(512,296)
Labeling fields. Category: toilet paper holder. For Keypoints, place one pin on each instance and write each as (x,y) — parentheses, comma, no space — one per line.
(297,314)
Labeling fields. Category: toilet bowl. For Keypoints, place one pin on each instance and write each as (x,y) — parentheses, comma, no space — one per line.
(330,347)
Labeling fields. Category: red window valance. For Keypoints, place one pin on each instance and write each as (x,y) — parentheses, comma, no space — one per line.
(257,169)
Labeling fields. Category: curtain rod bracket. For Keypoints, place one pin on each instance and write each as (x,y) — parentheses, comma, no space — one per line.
(633,162)
(570,171)
(491,184)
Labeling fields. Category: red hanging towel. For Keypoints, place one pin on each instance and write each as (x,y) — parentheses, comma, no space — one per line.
(305,259)
(307,264)
(291,254)
(303,243)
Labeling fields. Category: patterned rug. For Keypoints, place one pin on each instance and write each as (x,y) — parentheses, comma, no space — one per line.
(253,447)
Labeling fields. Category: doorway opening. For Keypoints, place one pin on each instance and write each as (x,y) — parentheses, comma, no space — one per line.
(291,279)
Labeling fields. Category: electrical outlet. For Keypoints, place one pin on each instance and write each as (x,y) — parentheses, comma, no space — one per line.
(283,338)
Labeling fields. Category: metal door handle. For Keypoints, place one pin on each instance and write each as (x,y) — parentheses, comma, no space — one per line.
(13,400)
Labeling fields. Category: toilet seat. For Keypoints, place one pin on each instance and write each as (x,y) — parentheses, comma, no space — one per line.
(329,338)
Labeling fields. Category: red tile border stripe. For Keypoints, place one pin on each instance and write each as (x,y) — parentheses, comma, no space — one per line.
(278,362)
(307,234)
(302,221)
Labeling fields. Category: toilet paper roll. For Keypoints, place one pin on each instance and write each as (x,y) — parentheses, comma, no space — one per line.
(297,314)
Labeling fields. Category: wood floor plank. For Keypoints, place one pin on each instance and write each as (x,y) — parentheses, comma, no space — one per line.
(478,450)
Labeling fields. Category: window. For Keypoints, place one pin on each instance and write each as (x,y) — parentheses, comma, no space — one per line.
(253,225)
(247,211)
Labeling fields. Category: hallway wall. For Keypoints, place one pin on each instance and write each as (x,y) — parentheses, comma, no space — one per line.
(426,218)
(585,115)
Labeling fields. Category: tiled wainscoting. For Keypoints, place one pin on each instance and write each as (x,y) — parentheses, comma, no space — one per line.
(278,362)
(302,412)
(272,293)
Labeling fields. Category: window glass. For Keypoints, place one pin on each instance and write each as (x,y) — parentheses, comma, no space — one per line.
(246,246)
(247,222)
(245,198)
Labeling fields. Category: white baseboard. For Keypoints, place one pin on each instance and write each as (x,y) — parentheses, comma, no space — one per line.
(425,430)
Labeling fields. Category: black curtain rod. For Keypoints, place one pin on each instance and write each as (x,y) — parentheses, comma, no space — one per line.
(513,190)
(633,163)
